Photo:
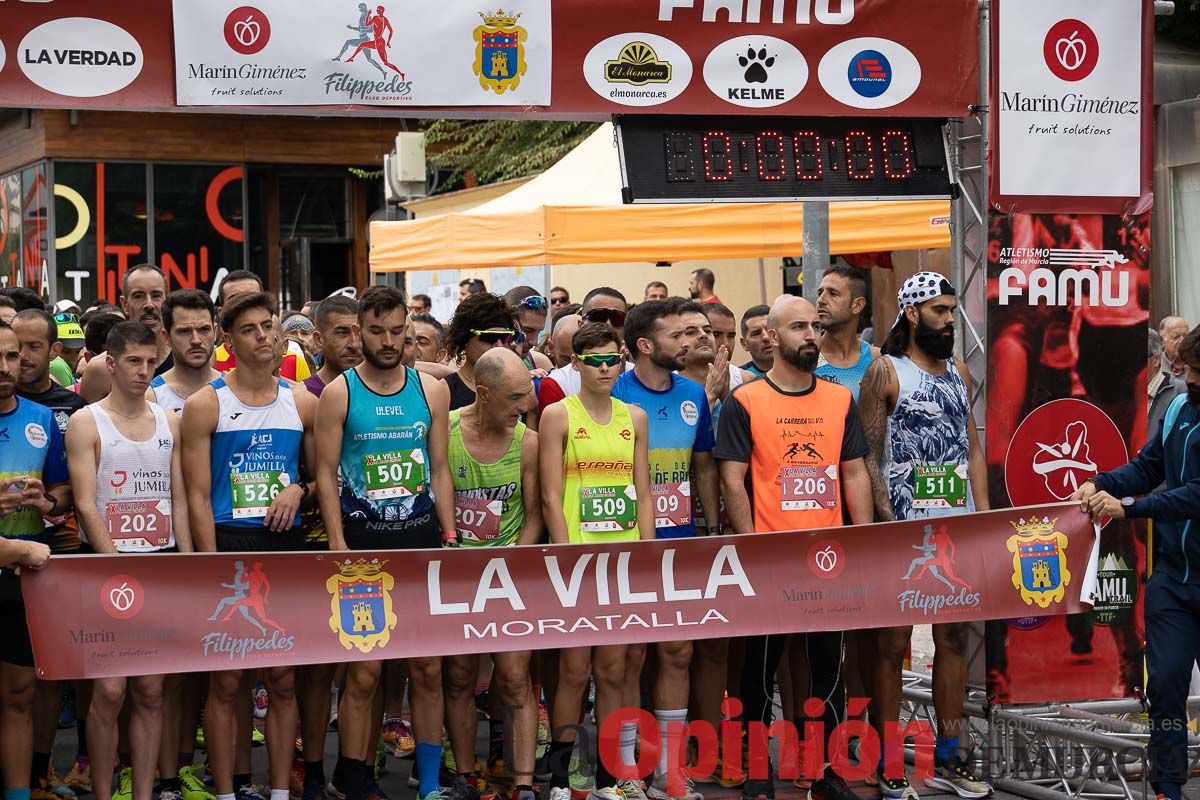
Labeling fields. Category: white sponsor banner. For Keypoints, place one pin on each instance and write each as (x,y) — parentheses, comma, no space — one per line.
(1068,99)
(383,52)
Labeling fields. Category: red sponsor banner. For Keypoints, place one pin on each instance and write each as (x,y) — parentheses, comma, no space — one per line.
(1067,321)
(1072,106)
(914,58)
(130,615)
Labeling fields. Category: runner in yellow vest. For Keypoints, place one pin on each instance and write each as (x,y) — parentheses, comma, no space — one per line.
(594,470)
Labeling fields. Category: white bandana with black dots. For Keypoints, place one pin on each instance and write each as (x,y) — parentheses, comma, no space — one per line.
(917,289)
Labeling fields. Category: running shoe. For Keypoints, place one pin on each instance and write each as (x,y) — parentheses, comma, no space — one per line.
(296,779)
(192,784)
(440,793)
(257,737)
(581,783)
(543,729)
(524,793)
(468,787)
(497,772)
(559,793)
(200,738)
(753,790)
(398,737)
(170,794)
(372,791)
(45,790)
(124,785)
(313,791)
(53,779)
(831,787)
(632,789)
(248,792)
(334,791)
(658,789)
(955,776)
(79,779)
(607,793)
(260,701)
(380,759)
(895,788)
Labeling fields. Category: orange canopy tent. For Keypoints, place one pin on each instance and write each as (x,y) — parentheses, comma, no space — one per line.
(572,214)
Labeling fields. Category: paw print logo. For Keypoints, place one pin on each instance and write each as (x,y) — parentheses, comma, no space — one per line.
(756,64)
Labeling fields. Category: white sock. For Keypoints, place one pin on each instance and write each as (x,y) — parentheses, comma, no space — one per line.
(629,737)
(226,797)
(279,794)
(665,718)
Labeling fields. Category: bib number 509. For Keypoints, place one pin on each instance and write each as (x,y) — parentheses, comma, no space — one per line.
(610,507)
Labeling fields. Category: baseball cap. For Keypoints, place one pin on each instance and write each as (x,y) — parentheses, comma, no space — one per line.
(69,331)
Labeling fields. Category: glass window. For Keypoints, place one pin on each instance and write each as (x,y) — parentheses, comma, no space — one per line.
(1185,198)
(10,229)
(100,222)
(198,225)
(35,227)
(313,207)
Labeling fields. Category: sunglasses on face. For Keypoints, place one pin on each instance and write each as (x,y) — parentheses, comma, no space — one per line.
(601,359)
(65,316)
(607,315)
(558,301)
(502,336)
(534,303)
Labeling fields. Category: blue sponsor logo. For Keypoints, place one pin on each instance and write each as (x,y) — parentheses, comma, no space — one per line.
(870,73)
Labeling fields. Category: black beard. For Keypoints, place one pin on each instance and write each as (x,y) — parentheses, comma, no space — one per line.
(378,363)
(938,343)
(660,359)
(803,358)
(1193,394)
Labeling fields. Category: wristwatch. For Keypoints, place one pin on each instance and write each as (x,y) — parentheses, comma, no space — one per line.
(1126,502)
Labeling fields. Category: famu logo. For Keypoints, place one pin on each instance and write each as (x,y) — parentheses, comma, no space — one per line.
(637,64)
(1059,277)
(1116,591)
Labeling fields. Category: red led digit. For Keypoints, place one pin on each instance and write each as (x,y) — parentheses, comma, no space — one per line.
(897,155)
(718,156)
(806,145)
(860,159)
(769,153)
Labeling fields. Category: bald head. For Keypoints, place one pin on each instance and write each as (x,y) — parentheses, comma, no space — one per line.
(563,331)
(499,368)
(787,308)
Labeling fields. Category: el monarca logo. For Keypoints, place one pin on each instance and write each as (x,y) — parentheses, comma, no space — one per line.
(637,64)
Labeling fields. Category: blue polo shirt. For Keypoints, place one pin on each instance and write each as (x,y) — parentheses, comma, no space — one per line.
(33,446)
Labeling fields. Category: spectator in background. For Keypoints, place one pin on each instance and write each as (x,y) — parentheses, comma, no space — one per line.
(1162,385)
(67,307)
(559,297)
(298,327)
(99,308)
(755,341)
(420,304)
(23,298)
(1172,330)
(95,333)
(701,286)
(655,290)
(70,336)
(309,309)
(564,330)
(8,309)
(470,286)
(428,339)
(530,309)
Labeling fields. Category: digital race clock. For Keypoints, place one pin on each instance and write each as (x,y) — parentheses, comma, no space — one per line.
(755,159)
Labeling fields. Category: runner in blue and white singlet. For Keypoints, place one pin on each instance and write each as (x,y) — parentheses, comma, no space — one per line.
(851,376)
(165,396)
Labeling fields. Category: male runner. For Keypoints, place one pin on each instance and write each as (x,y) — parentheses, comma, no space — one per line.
(603,304)
(681,438)
(791,448)
(38,335)
(916,408)
(428,337)
(841,301)
(33,488)
(294,366)
(386,427)
(246,438)
(143,290)
(190,328)
(494,466)
(724,334)
(129,498)
(530,310)
(335,340)
(595,488)
(755,341)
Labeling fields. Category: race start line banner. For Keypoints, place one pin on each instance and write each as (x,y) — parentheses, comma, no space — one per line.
(144,614)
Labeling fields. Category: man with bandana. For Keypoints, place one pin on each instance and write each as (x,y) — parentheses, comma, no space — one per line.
(915,403)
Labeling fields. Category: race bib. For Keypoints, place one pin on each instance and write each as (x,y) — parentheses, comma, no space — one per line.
(672,504)
(607,509)
(477,518)
(808,488)
(940,486)
(397,474)
(139,523)
(253,492)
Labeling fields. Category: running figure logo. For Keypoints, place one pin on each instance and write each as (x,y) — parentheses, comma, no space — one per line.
(937,558)
(1065,465)
(808,448)
(374,32)
(250,592)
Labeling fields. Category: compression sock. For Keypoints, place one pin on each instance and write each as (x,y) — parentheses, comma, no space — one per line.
(429,761)
(945,750)
(629,738)
(665,718)
(314,772)
(558,758)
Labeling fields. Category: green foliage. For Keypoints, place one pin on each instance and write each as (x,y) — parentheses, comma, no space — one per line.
(499,149)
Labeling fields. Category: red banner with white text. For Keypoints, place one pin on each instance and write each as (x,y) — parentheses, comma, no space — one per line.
(915,58)
(1068,309)
(142,614)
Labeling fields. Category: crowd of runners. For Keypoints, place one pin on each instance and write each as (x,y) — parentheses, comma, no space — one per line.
(360,422)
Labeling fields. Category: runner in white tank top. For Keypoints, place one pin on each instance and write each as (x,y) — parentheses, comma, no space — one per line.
(189,319)
(133,484)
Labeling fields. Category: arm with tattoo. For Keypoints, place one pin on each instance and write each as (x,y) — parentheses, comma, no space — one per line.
(873,399)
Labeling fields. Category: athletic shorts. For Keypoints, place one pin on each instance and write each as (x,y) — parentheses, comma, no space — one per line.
(258,540)
(14,630)
(415,533)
